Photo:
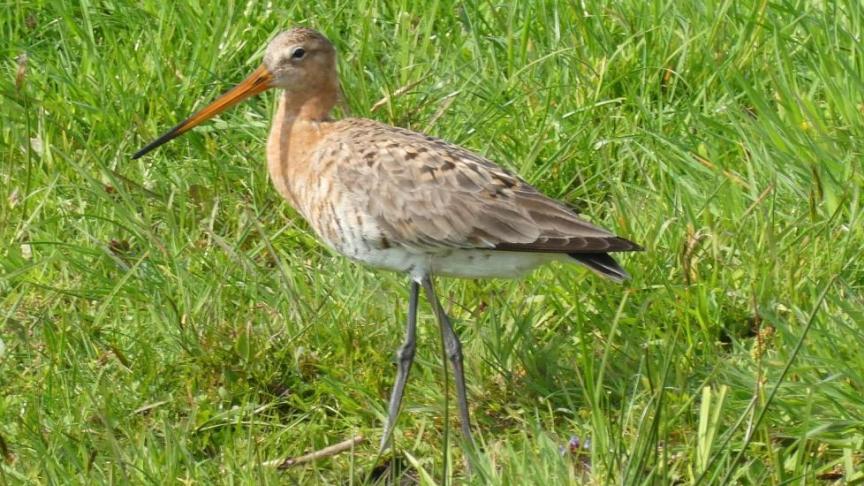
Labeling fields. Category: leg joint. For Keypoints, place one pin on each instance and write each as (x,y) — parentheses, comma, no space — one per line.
(453,347)
(405,353)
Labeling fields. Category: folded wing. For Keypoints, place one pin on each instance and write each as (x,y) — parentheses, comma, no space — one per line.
(429,194)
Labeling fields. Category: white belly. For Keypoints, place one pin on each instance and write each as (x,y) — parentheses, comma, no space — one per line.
(456,262)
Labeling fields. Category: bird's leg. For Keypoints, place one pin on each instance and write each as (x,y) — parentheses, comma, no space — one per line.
(404,357)
(454,352)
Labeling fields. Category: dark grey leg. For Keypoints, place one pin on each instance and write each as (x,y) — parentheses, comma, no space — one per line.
(405,358)
(454,352)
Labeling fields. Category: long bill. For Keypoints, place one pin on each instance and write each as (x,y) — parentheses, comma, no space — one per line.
(257,82)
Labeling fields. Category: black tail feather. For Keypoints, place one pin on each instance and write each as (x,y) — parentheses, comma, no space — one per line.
(602,264)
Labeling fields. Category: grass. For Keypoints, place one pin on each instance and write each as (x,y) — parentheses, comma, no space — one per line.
(170,319)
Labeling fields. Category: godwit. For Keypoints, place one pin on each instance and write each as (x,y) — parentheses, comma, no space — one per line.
(400,200)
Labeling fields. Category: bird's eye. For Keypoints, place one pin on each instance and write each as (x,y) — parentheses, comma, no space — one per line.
(298,53)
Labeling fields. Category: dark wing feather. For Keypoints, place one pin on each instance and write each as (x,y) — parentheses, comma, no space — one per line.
(603,264)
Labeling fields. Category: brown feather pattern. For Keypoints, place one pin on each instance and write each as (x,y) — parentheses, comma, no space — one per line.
(425,193)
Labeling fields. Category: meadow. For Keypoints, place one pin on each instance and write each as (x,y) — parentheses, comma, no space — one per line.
(170,320)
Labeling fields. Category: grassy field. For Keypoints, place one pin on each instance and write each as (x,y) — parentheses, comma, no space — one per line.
(171,320)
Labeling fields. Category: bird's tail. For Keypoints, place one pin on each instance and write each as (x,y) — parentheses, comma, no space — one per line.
(602,264)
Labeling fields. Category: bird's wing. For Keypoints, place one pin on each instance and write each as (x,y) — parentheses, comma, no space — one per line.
(427,193)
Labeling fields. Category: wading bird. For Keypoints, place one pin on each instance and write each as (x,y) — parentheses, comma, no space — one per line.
(401,200)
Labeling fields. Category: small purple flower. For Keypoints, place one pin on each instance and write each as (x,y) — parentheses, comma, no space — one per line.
(573,445)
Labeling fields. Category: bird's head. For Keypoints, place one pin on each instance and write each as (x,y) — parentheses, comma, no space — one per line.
(300,61)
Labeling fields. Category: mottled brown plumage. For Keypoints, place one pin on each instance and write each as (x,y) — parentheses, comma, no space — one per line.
(402,200)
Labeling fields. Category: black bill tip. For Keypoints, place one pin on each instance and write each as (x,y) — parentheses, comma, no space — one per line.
(165,137)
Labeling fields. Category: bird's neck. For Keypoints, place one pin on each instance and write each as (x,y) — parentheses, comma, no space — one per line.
(297,130)
(312,107)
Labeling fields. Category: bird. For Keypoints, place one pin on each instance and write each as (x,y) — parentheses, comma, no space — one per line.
(401,200)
